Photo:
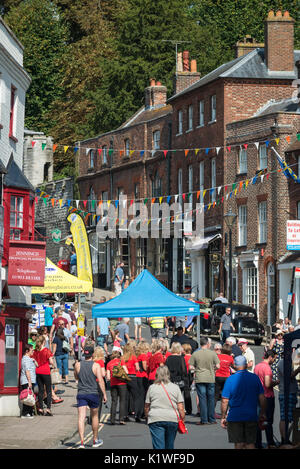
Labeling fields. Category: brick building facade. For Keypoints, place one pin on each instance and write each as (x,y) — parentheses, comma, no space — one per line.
(205,123)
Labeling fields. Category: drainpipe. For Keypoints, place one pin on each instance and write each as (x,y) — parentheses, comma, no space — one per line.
(170,242)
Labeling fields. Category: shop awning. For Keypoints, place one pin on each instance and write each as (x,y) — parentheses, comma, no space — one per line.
(197,244)
(145,297)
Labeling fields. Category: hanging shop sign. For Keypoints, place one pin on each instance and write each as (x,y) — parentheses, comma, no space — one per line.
(293,235)
(26,263)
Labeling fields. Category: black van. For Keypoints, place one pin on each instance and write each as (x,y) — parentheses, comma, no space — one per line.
(244,319)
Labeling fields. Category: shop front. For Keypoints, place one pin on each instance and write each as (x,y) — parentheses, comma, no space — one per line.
(13,335)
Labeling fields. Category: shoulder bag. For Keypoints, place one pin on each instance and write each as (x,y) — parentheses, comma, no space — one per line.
(119,372)
(55,376)
(181,425)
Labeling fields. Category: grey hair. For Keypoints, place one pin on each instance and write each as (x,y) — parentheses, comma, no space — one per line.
(162,375)
(232,340)
(218,345)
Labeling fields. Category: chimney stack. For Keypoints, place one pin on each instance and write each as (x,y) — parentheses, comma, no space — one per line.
(186,73)
(248,44)
(279,42)
(155,95)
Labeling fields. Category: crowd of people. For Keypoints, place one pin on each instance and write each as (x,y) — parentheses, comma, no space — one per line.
(153,382)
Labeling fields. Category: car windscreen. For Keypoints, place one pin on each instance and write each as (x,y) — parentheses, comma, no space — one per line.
(242,312)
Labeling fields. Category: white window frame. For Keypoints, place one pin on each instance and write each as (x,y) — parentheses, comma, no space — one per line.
(201,180)
(180,190)
(213,179)
(201,113)
(191,186)
(92,158)
(190,117)
(243,161)
(242,225)
(262,222)
(127,146)
(263,156)
(251,286)
(180,122)
(104,154)
(213,108)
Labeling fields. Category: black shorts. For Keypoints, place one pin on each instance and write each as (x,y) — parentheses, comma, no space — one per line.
(242,432)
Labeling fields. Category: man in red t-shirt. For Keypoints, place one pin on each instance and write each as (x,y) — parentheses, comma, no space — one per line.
(55,324)
(264,372)
(222,373)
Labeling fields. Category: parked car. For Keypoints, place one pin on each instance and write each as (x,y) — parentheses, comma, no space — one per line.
(244,319)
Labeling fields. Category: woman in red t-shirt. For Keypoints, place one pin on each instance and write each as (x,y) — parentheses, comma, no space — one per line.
(143,354)
(43,358)
(222,373)
(156,360)
(118,389)
(132,365)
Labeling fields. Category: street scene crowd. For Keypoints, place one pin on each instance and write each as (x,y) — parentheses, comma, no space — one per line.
(153,382)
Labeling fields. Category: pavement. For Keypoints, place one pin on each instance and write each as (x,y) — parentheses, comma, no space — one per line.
(43,432)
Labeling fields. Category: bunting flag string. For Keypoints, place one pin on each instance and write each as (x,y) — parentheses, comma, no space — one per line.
(287,170)
(143,151)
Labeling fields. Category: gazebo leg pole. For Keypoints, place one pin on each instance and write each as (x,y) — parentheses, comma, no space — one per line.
(198,330)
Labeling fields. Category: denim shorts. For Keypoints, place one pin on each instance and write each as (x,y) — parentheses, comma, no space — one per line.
(90,400)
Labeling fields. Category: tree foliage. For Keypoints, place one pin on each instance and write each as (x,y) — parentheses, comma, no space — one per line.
(90,60)
(38,26)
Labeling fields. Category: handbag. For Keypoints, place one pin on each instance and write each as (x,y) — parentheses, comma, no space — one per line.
(55,376)
(181,425)
(66,346)
(119,372)
(27,397)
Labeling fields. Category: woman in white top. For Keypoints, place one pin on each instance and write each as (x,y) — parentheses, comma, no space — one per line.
(164,404)
(27,378)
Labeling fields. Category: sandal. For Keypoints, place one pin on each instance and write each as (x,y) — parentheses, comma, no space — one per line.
(40,412)
(48,413)
(122,422)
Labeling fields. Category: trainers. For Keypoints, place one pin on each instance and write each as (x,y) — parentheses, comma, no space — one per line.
(97,443)
(81,446)
(27,416)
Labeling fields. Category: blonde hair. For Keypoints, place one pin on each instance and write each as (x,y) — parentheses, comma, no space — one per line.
(164,345)
(40,341)
(155,346)
(98,354)
(143,347)
(128,352)
(176,347)
(187,349)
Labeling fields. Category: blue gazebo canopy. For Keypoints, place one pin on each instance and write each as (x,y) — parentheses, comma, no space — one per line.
(145,297)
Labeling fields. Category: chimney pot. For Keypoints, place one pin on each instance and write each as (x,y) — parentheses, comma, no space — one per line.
(186,64)
(193,66)
(179,62)
(271,14)
(278,13)
(286,14)
(158,83)
(152,82)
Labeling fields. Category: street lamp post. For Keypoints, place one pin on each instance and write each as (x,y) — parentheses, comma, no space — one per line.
(230,218)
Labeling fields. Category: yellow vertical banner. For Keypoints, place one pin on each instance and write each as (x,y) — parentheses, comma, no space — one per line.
(82,248)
